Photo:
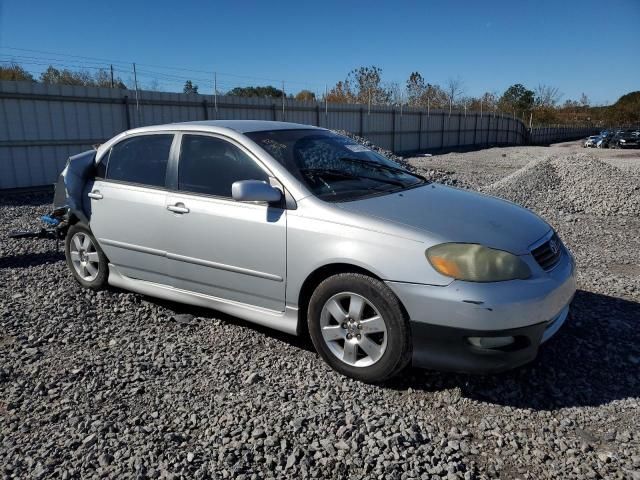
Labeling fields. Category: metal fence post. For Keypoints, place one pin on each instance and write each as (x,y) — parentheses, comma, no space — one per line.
(475,128)
(125,102)
(442,132)
(205,109)
(317,114)
(459,125)
(393,129)
(273,111)
(488,129)
(361,121)
(420,130)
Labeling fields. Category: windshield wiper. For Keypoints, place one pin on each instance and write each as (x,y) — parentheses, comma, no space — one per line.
(382,166)
(332,172)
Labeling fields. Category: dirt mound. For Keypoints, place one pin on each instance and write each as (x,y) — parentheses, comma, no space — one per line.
(576,183)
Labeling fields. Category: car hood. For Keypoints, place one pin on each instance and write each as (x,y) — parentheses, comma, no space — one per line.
(453,215)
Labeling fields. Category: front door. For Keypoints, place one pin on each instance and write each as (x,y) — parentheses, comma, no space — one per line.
(223,248)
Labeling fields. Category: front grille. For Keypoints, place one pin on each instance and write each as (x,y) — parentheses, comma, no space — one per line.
(549,253)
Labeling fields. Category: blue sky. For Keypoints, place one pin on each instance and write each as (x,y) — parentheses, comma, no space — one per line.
(577,46)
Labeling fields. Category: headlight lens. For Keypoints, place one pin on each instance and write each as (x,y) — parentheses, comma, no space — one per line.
(476,263)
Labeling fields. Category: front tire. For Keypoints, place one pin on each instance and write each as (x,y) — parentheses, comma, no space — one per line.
(359,328)
(85,259)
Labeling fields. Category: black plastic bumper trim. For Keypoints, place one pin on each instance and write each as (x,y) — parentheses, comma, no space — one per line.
(446,348)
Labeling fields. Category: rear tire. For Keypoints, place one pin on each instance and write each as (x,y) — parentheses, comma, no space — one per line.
(85,259)
(359,328)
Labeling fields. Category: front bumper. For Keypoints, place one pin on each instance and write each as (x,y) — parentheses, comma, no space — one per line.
(449,349)
(443,318)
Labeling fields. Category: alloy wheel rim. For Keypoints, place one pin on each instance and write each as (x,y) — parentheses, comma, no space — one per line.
(353,329)
(84,256)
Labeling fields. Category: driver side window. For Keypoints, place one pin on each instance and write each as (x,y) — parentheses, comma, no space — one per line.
(210,165)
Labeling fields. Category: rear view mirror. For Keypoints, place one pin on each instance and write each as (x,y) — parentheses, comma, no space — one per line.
(255,191)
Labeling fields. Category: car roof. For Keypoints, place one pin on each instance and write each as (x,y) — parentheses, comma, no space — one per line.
(240,126)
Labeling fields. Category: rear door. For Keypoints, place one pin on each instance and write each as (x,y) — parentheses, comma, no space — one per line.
(128,206)
(230,250)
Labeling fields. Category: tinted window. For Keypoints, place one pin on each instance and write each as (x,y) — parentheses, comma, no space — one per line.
(142,159)
(211,165)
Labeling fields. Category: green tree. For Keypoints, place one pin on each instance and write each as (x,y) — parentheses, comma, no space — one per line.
(15,72)
(267,91)
(190,88)
(517,98)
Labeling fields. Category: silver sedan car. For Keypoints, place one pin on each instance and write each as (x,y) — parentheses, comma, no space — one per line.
(308,232)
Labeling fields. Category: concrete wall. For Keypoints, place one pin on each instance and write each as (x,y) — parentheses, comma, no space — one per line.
(42,125)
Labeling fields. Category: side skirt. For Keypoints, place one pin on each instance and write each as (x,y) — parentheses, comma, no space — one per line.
(286,321)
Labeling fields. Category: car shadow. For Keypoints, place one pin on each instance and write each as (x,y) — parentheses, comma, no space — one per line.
(594,359)
(27,260)
(302,342)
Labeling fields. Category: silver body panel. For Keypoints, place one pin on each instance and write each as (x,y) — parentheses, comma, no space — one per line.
(492,306)
(251,260)
(125,223)
(229,250)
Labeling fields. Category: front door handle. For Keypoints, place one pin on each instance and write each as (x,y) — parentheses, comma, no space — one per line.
(178,208)
(96,195)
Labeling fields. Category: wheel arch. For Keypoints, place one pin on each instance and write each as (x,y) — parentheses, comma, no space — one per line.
(318,276)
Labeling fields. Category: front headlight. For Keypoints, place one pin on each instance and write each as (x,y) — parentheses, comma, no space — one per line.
(476,263)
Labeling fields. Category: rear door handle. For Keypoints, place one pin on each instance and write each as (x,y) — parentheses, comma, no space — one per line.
(96,195)
(178,208)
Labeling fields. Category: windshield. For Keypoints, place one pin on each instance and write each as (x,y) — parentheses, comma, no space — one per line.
(333,167)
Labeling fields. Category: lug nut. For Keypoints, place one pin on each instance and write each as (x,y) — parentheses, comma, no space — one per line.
(359,326)
(349,336)
(344,325)
(359,337)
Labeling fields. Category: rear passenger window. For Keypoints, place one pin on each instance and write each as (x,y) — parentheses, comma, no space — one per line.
(141,159)
(210,165)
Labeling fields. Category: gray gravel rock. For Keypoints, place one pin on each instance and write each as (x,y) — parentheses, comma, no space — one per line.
(434,175)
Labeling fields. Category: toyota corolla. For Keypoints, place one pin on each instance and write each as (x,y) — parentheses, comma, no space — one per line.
(308,232)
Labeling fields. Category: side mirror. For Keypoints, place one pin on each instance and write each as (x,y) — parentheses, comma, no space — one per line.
(255,191)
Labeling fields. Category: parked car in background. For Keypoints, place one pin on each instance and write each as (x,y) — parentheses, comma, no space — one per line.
(625,139)
(591,141)
(302,230)
(603,141)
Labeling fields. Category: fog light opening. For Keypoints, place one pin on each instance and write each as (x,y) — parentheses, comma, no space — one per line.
(490,342)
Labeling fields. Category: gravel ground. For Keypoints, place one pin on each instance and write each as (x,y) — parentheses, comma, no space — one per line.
(116,385)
